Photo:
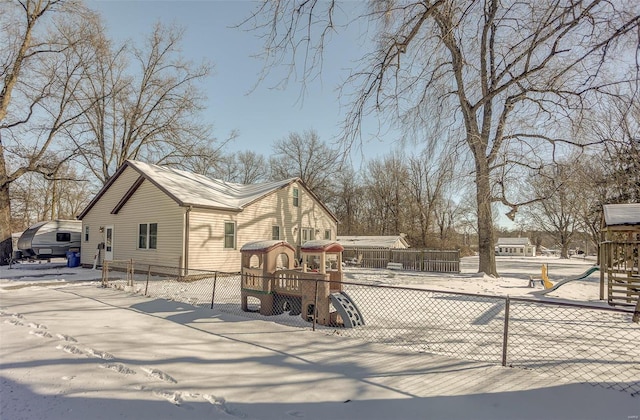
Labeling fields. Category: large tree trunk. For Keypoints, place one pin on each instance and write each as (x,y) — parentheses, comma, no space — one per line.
(6,248)
(487,262)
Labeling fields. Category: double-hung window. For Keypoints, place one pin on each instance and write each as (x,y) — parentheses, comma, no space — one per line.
(308,234)
(275,233)
(229,235)
(296,197)
(148,236)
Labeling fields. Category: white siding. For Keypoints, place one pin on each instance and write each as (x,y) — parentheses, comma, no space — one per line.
(147,205)
(206,233)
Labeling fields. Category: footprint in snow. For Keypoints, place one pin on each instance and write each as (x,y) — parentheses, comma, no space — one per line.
(158,374)
(118,367)
(14,322)
(99,354)
(173,397)
(40,333)
(221,405)
(37,326)
(71,349)
(66,338)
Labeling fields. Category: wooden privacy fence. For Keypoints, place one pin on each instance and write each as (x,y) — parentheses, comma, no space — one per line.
(445,261)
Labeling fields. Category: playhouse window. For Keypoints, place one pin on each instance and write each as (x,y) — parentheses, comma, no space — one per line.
(296,198)
(275,233)
(148,236)
(229,235)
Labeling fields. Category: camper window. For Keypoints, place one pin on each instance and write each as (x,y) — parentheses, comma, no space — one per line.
(63,237)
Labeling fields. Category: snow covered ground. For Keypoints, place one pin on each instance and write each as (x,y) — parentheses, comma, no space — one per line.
(72,350)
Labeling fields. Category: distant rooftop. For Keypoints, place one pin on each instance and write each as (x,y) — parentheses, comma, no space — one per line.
(394,241)
(513,241)
(621,214)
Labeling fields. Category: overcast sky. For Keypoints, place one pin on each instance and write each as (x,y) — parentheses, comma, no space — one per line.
(261,115)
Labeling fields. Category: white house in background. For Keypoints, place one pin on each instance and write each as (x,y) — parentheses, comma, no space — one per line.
(351,242)
(164,216)
(521,247)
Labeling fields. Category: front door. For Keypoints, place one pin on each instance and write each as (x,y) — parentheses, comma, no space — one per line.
(108,243)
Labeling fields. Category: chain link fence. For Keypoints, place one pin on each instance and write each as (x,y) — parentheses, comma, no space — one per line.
(595,345)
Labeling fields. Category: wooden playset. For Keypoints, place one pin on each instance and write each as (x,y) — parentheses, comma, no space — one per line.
(620,273)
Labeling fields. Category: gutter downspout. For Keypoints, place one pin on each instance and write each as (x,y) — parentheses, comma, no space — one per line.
(186,240)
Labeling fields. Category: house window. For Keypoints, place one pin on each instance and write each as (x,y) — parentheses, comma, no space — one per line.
(327,234)
(148,236)
(275,233)
(296,198)
(86,233)
(307,234)
(63,237)
(229,235)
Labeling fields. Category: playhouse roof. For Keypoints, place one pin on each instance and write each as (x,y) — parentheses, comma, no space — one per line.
(322,245)
(621,214)
(264,246)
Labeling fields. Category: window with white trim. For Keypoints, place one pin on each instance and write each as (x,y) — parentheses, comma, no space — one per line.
(296,197)
(148,236)
(308,234)
(86,233)
(229,235)
(327,234)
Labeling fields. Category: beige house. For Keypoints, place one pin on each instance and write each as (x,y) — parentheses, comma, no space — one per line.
(520,247)
(164,216)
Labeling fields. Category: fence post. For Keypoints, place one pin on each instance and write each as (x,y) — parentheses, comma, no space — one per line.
(636,312)
(146,287)
(315,307)
(505,335)
(213,293)
(105,271)
(130,273)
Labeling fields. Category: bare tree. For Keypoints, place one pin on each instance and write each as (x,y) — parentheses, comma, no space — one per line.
(557,210)
(385,183)
(428,175)
(506,74)
(42,44)
(35,198)
(347,201)
(144,104)
(306,156)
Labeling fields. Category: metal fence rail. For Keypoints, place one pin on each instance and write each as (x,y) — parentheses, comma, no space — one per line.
(578,343)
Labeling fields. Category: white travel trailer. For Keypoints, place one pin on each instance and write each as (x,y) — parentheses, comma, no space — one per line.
(50,239)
